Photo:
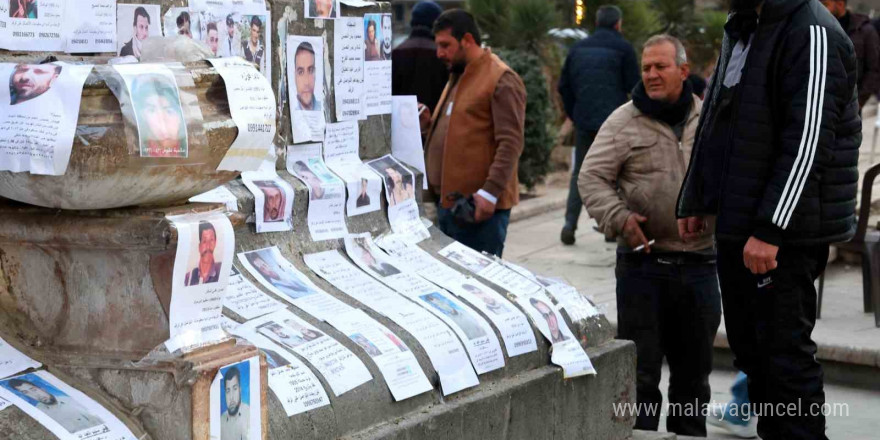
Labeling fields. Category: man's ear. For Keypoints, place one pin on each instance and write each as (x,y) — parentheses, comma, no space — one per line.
(685,71)
(468,40)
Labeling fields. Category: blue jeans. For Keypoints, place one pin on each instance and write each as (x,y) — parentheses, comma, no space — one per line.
(487,236)
(575,203)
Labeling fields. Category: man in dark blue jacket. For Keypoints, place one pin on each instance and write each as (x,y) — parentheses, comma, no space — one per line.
(597,76)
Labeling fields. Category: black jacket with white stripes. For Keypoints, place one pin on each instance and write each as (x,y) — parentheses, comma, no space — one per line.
(785,169)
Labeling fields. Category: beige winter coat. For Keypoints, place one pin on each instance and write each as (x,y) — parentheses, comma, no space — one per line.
(636,164)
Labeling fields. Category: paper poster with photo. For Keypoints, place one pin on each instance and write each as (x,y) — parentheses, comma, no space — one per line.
(348,69)
(227,4)
(246,300)
(202,263)
(377,63)
(567,352)
(155,101)
(305,80)
(90,27)
(577,305)
(252,104)
(486,267)
(255,29)
(292,382)
(134,24)
(218,30)
(273,200)
(403,210)
(341,154)
(341,368)
(32,25)
(41,110)
(406,134)
(62,409)
(13,361)
(276,273)
(395,360)
(447,354)
(326,216)
(322,9)
(220,194)
(235,401)
(183,22)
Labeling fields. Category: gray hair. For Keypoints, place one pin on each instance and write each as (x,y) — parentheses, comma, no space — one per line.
(680,53)
(607,16)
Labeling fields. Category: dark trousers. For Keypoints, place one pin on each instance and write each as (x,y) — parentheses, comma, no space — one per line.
(575,203)
(670,306)
(769,319)
(487,236)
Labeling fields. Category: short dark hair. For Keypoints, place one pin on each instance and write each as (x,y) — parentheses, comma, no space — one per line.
(183,18)
(206,226)
(460,22)
(140,11)
(229,20)
(372,24)
(535,301)
(212,27)
(607,16)
(304,47)
(15,383)
(255,21)
(232,373)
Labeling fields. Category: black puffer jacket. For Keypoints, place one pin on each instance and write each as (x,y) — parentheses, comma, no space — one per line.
(789,170)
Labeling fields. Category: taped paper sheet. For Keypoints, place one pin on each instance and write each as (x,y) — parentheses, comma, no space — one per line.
(32,25)
(235,401)
(183,22)
(341,146)
(403,209)
(134,24)
(577,306)
(273,200)
(305,75)
(326,215)
(486,267)
(220,194)
(566,351)
(322,8)
(243,298)
(406,134)
(13,361)
(90,26)
(377,63)
(62,409)
(348,68)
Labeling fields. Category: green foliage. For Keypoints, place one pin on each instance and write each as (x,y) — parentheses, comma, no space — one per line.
(515,24)
(493,19)
(704,44)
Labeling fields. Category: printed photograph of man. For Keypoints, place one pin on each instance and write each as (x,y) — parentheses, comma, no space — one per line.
(23,9)
(363,253)
(212,37)
(281,335)
(161,127)
(231,44)
(274,201)
(183,24)
(274,359)
(549,316)
(140,32)
(491,304)
(304,78)
(398,180)
(306,333)
(471,262)
(372,49)
(322,9)
(266,266)
(253,49)
(29,81)
(363,198)
(365,343)
(310,178)
(55,404)
(235,400)
(208,269)
(386,36)
(463,320)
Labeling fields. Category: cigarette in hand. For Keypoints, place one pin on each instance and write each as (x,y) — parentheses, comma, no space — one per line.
(640,247)
(422,108)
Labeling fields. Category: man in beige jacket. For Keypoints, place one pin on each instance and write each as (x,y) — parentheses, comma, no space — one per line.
(668,300)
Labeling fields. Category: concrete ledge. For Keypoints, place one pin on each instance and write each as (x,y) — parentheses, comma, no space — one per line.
(839,353)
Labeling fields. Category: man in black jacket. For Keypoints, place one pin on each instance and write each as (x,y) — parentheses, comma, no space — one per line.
(597,75)
(415,68)
(776,159)
(866,43)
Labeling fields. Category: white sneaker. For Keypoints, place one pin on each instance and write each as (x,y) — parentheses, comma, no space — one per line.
(718,417)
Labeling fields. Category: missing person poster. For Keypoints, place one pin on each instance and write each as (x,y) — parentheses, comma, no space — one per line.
(205,249)
(326,216)
(322,8)
(377,63)
(63,410)
(567,351)
(220,194)
(348,68)
(403,209)
(273,200)
(235,401)
(13,361)
(341,153)
(305,77)
(183,22)
(32,25)
(90,26)
(246,300)
(134,24)
(486,267)
(406,134)
(41,109)
(577,306)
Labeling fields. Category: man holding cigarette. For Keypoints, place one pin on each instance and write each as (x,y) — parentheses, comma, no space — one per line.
(668,300)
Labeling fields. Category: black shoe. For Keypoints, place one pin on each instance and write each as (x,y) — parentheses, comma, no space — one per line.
(567,236)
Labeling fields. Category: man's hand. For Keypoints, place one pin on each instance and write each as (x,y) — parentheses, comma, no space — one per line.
(759,257)
(691,228)
(424,118)
(633,234)
(484,209)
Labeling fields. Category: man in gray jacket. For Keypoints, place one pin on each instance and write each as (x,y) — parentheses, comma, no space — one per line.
(668,300)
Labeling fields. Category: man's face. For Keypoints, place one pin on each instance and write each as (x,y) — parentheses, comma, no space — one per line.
(304,64)
(230,29)
(367,257)
(162,119)
(449,50)
(142,28)
(213,41)
(36,393)
(662,78)
(314,182)
(233,396)
(835,7)
(371,33)
(30,80)
(549,316)
(386,30)
(264,268)
(184,30)
(207,243)
(323,7)
(274,204)
(255,34)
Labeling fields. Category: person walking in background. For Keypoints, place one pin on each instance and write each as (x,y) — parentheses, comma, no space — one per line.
(598,74)
(775,162)
(476,136)
(415,68)
(667,292)
(867,44)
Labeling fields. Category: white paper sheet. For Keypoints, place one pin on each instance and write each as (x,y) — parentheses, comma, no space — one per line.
(348,68)
(326,216)
(13,361)
(235,401)
(90,26)
(205,246)
(273,200)
(342,370)
(132,27)
(41,109)
(577,306)
(62,409)
(403,209)
(406,134)
(508,319)
(486,267)
(305,79)
(220,194)
(377,64)
(358,3)
(294,384)
(252,104)
(566,350)
(322,8)
(4,404)
(32,26)
(447,354)
(341,145)
(243,298)
(246,5)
